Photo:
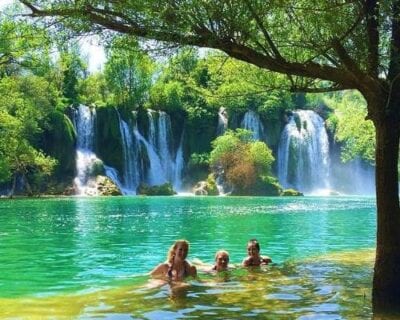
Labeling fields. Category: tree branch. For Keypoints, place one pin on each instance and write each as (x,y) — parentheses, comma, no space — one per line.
(267,37)
(205,38)
(345,58)
(371,9)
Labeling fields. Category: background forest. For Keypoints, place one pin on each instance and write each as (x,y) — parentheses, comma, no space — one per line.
(44,77)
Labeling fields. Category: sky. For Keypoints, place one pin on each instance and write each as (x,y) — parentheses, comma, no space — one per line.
(89,45)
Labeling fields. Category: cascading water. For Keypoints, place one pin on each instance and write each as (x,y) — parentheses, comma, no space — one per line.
(353,177)
(222,121)
(155,175)
(164,145)
(303,153)
(84,119)
(179,165)
(112,173)
(252,122)
(164,165)
(131,167)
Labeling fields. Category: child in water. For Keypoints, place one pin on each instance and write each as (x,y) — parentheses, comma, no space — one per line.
(221,261)
(254,258)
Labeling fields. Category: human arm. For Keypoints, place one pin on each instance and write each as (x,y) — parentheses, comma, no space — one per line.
(160,270)
(192,271)
(247,262)
(266,260)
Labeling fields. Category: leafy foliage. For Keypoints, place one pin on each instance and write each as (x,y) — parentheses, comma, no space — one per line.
(128,73)
(356,133)
(243,161)
(26,99)
(74,70)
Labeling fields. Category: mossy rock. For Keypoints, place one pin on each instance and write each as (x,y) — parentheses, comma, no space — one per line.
(206,188)
(108,138)
(199,132)
(59,142)
(291,193)
(165,189)
(264,186)
(200,189)
(106,187)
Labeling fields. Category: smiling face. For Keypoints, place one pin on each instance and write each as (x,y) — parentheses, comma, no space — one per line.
(252,250)
(221,261)
(181,250)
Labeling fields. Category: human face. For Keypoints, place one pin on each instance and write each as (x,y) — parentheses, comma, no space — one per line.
(221,261)
(252,250)
(181,251)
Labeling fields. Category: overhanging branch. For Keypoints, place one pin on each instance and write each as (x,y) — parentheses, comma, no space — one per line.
(205,38)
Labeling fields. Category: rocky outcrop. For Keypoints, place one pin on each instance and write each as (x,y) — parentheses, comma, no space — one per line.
(105,187)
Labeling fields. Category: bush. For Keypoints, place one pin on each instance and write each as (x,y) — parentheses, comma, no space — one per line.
(212,185)
(246,163)
(165,189)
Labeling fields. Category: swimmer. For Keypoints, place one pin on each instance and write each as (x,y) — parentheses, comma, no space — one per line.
(176,267)
(254,258)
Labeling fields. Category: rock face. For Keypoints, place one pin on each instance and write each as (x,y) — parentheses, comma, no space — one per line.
(105,187)
(200,189)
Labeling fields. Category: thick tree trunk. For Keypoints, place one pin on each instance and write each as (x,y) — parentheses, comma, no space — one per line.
(386,283)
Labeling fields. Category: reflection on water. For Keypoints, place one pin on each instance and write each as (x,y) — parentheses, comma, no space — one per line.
(87,257)
(333,286)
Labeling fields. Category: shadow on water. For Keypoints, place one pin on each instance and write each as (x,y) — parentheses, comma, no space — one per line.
(334,286)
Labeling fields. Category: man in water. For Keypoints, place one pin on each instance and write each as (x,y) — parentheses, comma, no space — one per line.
(254,258)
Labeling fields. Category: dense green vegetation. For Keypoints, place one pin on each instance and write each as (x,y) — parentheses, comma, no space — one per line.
(244,163)
(38,87)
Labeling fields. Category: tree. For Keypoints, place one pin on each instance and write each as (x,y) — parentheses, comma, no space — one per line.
(25,103)
(22,46)
(351,128)
(246,163)
(327,46)
(73,69)
(128,72)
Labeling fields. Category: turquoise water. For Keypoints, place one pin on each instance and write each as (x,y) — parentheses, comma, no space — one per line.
(55,249)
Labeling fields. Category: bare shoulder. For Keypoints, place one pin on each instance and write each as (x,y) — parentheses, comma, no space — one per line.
(161,269)
(246,262)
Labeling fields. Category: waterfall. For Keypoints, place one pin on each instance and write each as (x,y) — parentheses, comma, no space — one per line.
(252,122)
(179,165)
(130,150)
(156,175)
(164,145)
(156,149)
(222,121)
(112,173)
(152,136)
(165,166)
(84,120)
(353,177)
(303,153)
(361,177)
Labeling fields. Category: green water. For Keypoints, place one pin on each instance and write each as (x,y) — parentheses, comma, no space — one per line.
(87,257)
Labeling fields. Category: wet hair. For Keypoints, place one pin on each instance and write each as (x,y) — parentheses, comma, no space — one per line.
(226,253)
(255,243)
(172,250)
